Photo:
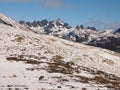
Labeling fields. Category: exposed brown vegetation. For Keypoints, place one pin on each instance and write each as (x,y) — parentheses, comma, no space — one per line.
(19,39)
(108,62)
(14,75)
(68,44)
(57,57)
(53,40)
(60,66)
(22,58)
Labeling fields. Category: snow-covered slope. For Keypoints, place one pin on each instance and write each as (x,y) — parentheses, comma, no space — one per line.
(8,21)
(35,62)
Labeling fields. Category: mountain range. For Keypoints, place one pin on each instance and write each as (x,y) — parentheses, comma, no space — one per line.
(108,39)
(34,57)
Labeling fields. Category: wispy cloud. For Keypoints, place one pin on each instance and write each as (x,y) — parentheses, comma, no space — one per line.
(52,3)
(103,25)
(96,23)
(113,25)
(55,4)
(45,3)
(17,0)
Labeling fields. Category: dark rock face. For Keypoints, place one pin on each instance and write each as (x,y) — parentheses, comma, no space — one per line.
(3,22)
(34,24)
(22,22)
(29,24)
(50,25)
(44,22)
(39,23)
(77,36)
(66,25)
(92,28)
(79,27)
(116,31)
(111,42)
(58,23)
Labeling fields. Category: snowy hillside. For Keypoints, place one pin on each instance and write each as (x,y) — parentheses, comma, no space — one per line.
(31,61)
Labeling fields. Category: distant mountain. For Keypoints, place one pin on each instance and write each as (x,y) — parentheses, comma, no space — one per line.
(81,34)
(117,31)
(108,39)
(56,27)
(29,61)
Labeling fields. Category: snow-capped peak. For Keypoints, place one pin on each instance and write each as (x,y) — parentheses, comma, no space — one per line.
(58,22)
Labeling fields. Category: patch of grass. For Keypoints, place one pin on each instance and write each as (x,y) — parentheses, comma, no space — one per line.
(12,58)
(57,57)
(59,66)
(53,40)
(108,61)
(14,75)
(59,87)
(84,88)
(68,44)
(100,72)
(101,80)
(41,77)
(32,62)
(107,82)
(19,39)
(22,58)
(64,80)
(82,79)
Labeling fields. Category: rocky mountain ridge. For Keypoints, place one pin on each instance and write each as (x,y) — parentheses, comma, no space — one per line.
(108,39)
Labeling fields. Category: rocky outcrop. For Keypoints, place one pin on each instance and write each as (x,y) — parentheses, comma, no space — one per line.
(9,22)
(110,42)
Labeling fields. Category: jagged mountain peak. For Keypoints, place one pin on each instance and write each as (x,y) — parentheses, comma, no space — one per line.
(58,21)
(45,23)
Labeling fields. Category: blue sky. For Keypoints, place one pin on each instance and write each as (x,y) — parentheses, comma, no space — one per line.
(103,14)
